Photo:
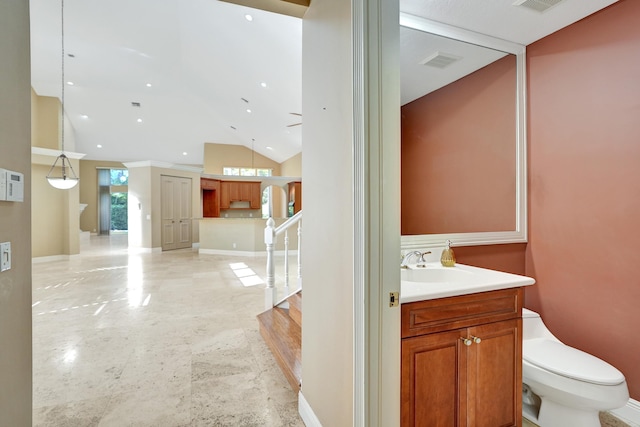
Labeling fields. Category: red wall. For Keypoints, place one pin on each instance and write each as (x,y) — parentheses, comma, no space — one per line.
(509,258)
(458,155)
(584,189)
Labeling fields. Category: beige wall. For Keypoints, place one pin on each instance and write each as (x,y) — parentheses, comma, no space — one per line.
(292,166)
(327,340)
(45,121)
(140,207)
(15,217)
(218,156)
(55,215)
(247,234)
(144,211)
(89,191)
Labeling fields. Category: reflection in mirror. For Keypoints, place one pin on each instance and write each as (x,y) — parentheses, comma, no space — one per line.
(462,147)
(458,151)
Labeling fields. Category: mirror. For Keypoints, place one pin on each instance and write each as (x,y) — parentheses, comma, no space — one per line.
(463,137)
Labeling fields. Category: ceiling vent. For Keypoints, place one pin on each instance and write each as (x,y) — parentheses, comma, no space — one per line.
(440,60)
(537,5)
(135,104)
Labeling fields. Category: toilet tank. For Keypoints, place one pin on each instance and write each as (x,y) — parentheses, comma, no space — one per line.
(533,326)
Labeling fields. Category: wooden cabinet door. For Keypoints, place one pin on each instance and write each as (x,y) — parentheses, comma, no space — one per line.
(495,375)
(245,191)
(255,195)
(433,387)
(225,199)
(234,191)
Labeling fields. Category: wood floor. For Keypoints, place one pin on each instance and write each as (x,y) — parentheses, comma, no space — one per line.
(281,329)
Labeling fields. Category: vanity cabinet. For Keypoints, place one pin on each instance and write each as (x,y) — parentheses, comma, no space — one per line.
(462,361)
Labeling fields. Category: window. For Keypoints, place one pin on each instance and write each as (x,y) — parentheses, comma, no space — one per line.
(245,171)
(119,177)
(266,194)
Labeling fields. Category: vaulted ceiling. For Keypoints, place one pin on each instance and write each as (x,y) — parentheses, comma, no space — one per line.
(154,80)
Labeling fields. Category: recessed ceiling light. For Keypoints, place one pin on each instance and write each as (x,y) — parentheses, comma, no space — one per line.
(184,153)
(263,84)
(248,17)
(269,148)
(139,120)
(84,116)
(148,84)
(99,145)
(248,110)
(70,83)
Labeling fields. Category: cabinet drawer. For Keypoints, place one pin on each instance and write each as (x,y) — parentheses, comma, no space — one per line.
(425,317)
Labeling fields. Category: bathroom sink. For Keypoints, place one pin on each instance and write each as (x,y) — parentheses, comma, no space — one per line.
(435,273)
(435,281)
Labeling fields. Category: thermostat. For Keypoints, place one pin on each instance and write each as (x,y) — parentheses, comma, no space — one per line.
(11,186)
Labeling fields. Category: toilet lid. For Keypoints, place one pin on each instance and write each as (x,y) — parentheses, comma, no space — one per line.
(570,362)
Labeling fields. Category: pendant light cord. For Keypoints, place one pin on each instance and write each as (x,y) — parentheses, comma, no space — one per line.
(62,94)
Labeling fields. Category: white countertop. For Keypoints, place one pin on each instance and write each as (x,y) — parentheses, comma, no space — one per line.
(440,282)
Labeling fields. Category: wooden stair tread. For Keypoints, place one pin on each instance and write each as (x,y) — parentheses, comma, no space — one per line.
(295,307)
(284,337)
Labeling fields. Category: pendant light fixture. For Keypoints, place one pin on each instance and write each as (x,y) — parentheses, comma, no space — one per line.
(68,178)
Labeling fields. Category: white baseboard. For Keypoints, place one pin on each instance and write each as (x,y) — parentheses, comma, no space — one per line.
(629,413)
(241,253)
(306,413)
(226,252)
(40,259)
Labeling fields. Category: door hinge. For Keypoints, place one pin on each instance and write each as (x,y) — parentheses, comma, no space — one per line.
(394,299)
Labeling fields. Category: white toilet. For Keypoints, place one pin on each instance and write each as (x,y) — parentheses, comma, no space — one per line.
(563,386)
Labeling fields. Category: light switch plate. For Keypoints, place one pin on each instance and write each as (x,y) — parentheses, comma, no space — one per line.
(5,256)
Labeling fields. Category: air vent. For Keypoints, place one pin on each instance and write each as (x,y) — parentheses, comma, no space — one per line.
(537,5)
(135,104)
(440,60)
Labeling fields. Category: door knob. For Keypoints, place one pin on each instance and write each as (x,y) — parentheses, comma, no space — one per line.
(476,340)
(467,341)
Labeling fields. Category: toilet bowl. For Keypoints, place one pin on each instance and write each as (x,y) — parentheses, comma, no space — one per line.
(563,386)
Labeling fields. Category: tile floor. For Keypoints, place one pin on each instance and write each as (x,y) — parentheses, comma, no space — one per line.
(606,420)
(162,339)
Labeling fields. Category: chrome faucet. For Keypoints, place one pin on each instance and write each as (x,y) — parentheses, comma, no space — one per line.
(405,259)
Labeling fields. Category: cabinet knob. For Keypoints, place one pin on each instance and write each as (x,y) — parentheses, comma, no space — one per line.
(476,340)
(467,341)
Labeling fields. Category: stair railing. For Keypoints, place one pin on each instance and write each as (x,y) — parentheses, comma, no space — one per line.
(271,233)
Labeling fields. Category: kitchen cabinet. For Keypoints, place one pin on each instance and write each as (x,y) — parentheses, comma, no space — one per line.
(240,191)
(462,361)
(209,184)
(210,197)
(295,197)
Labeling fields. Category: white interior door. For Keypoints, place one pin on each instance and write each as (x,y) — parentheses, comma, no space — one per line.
(176,212)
